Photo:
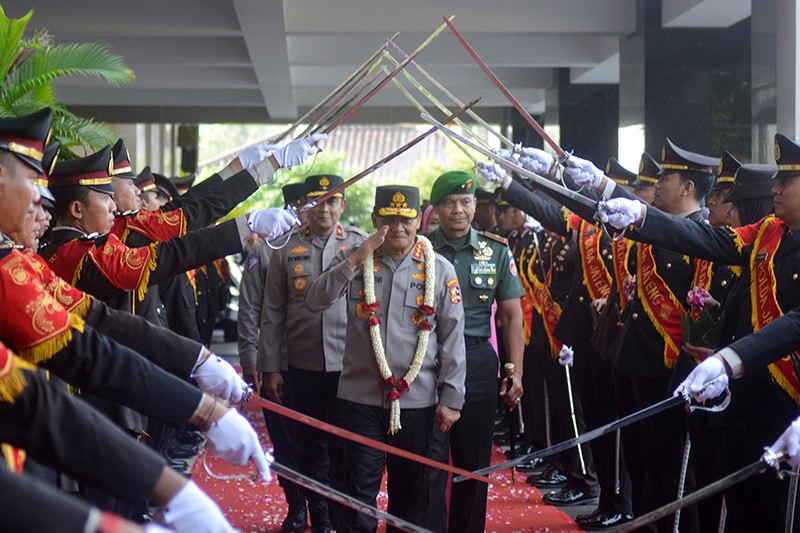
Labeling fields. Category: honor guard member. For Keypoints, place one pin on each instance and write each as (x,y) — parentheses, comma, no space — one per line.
(487,273)
(404,365)
(63,432)
(282,430)
(653,334)
(767,251)
(592,280)
(314,341)
(485,210)
(718,206)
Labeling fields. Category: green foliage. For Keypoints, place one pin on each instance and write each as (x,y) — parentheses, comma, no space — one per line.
(29,68)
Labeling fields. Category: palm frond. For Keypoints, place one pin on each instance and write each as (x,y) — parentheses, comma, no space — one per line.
(11,32)
(85,59)
(78,132)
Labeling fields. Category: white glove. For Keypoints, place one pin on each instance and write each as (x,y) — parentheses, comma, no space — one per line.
(534,159)
(272,222)
(256,154)
(532,223)
(789,442)
(152,527)
(711,372)
(619,212)
(298,150)
(565,356)
(217,377)
(583,172)
(192,510)
(492,173)
(232,438)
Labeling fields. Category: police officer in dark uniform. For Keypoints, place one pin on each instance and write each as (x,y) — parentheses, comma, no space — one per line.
(487,273)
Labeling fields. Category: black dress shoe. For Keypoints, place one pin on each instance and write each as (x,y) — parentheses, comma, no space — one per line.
(184,436)
(176,464)
(504,440)
(587,516)
(181,451)
(536,464)
(569,496)
(295,521)
(551,478)
(603,520)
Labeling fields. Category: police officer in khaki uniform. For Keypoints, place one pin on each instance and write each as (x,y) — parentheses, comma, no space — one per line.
(487,273)
(418,329)
(314,341)
(282,431)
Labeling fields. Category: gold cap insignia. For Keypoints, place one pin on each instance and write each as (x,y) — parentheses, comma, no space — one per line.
(720,167)
(777,151)
(641,166)
(324,182)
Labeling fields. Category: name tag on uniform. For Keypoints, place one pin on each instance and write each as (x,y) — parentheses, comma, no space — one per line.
(482,267)
(762,257)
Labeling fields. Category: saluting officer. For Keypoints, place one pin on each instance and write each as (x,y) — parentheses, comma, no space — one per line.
(314,341)
(404,359)
(487,273)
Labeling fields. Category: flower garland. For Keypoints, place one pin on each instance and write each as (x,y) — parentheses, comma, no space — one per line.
(371,306)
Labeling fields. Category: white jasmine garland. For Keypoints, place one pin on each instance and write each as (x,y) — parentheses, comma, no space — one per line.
(396,388)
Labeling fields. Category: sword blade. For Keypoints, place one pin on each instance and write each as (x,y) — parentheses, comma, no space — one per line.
(350,79)
(344,499)
(696,496)
(528,118)
(360,439)
(369,170)
(541,182)
(388,78)
(656,408)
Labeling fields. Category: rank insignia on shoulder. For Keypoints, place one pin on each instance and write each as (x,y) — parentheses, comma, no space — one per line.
(495,237)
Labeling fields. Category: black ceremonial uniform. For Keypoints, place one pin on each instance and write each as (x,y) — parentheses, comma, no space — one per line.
(592,373)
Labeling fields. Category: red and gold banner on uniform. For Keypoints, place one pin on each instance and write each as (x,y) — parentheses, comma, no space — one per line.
(75,301)
(126,268)
(527,299)
(12,380)
(31,319)
(620,252)
(764,301)
(596,276)
(662,307)
(549,310)
(703,274)
(158,226)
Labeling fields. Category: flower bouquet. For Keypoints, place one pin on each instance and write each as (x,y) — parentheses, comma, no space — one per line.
(702,327)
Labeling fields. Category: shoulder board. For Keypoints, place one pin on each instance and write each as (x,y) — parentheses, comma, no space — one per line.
(356,230)
(495,237)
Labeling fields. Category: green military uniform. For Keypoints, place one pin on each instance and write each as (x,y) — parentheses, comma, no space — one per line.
(487,273)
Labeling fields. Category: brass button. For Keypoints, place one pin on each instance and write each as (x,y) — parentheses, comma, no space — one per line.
(794,276)
(724,282)
(580,299)
(669,265)
(478,281)
(635,316)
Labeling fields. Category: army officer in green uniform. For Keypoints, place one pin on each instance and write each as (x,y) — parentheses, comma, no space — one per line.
(486,273)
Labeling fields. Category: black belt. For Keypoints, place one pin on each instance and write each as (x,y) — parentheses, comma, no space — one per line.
(474,341)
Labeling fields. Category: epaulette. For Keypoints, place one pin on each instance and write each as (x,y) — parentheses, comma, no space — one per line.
(495,237)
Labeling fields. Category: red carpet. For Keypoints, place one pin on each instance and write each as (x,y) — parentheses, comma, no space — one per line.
(261,507)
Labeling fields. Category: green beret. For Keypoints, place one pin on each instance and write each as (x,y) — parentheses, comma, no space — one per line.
(453,182)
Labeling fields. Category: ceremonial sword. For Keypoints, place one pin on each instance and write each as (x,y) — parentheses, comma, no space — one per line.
(360,439)
(387,79)
(562,155)
(647,412)
(323,490)
(350,79)
(369,170)
(538,180)
(770,459)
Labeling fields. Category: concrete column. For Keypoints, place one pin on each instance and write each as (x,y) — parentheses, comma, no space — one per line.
(787,83)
